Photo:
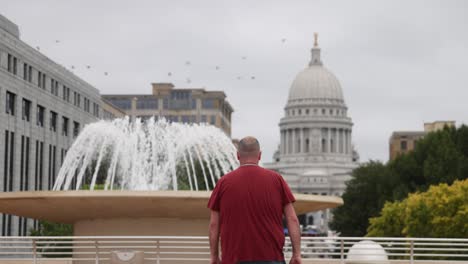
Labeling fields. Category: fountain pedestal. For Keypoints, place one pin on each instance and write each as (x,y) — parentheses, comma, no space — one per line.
(109,213)
(130,213)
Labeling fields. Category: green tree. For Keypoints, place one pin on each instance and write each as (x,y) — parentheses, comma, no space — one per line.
(54,229)
(363,198)
(440,157)
(442,211)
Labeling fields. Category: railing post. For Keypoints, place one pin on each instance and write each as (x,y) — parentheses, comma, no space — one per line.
(157,252)
(412,252)
(97,252)
(34,251)
(342,251)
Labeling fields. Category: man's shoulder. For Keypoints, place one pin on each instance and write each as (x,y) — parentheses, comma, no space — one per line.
(271,172)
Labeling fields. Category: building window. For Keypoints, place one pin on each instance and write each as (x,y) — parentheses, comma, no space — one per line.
(403,145)
(95,110)
(53,121)
(26,107)
(203,119)
(323,111)
(121,103)
(147,103)
(40,115)
(10,103)
(86,104)
(307,111)
(52,167)
(76,128)
(300,111)
(66,93)
(76,99)
(54,87)
(188,119)
(213,120)
(25,71)
(64,126)
(194,103)
(39,168)
(41,80)
(24,164)
(12,64)
(208,103)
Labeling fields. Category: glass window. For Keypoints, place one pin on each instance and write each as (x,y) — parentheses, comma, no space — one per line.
(53,121)
(208,103)
(10,103)
(213,120)
(185,119)
(203,119)
(403,145)
(40,116)
(123,103)
(76,128)
(26,107)
(147,103)
(95,110)
(64,126)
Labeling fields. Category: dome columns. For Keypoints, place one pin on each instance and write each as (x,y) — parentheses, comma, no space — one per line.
(312,140)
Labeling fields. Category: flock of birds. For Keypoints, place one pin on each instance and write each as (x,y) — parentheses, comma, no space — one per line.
(170,74)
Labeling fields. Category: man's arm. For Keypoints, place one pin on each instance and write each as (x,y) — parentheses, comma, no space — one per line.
(214,237)
(294,232)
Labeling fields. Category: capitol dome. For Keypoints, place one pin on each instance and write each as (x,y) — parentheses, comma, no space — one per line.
(316,82)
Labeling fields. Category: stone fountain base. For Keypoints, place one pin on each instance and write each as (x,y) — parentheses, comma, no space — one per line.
(130,213)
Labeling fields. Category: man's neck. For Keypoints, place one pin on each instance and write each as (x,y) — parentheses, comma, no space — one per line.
(248,163)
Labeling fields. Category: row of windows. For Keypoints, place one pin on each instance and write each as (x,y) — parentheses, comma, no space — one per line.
(315,111)
(184,118)
(26,172)
(26,106)
(180,102)
(12,67)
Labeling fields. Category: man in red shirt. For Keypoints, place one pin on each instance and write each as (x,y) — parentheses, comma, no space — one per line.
(247,207)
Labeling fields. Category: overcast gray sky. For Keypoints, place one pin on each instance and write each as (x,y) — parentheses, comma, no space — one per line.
(400,63)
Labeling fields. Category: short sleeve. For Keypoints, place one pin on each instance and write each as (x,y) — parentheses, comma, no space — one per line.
(286,194)
(215,197)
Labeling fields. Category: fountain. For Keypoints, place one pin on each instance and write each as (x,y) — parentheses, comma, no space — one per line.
(156,178)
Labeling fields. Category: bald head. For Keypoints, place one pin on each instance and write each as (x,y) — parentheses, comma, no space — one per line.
(249,147)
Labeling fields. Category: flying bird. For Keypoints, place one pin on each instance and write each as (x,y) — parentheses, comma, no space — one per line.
(252,77)
(187,63)
(283,40)
(106,73)
(217,67)
(38,48)
(169,74)
(57,41)
(188,80)
(89,67)
(244,57)
(73,67)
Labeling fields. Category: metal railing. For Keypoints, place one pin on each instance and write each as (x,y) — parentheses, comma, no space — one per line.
(186,249)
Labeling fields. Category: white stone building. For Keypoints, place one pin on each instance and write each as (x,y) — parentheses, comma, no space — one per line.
(43,107)
(315,155)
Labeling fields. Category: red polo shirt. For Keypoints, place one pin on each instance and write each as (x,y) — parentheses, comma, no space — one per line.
(250,201)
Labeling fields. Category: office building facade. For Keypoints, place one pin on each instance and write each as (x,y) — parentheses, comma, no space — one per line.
(43,108)
(177,105)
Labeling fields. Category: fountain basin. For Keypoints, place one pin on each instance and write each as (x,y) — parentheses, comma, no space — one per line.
(95,213)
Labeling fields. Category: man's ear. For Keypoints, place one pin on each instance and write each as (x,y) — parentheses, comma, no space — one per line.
(259,155)
(238,156)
